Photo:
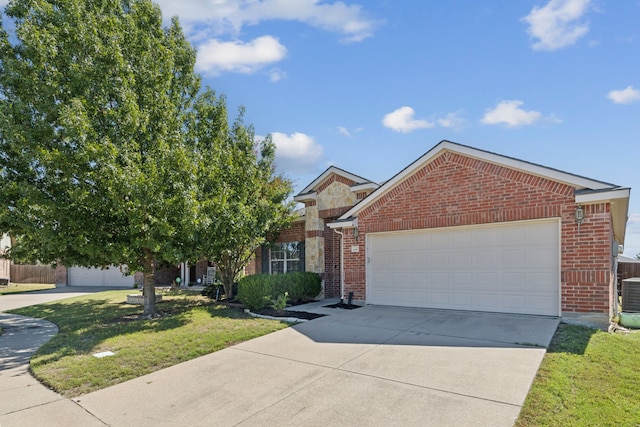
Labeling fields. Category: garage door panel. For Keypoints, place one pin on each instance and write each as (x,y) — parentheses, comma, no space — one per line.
(112,276)
(514,258)
(508,267)
(488,258)
(489,301)
(515,302)
(459,240)
(462,300)
(542,256)
(488,278)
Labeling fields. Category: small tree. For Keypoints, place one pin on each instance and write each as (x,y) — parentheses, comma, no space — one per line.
(95,168)
(247,201)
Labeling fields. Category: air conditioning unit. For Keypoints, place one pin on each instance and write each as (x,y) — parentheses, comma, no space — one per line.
(631,294)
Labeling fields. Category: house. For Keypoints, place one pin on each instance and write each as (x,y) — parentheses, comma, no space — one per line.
(460,228)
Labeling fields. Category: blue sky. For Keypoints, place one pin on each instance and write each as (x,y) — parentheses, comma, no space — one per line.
(370,86)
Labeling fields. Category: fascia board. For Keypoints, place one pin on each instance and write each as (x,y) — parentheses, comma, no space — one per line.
(365,186)
(343,224)
(602,196)
(304,197)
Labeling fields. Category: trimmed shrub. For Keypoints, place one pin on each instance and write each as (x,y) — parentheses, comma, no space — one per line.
(261,290)
(255,291)
(303,286)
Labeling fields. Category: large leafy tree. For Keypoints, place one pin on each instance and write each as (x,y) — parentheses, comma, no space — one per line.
(95,166)
(243,200)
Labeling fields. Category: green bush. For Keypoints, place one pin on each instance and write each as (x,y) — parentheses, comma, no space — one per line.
(261,290)
(302,286)
(256,291)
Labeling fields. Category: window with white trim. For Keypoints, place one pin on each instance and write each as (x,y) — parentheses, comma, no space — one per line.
(286,257)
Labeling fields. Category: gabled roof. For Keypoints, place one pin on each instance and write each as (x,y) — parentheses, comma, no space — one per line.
(309,191)
(587,190)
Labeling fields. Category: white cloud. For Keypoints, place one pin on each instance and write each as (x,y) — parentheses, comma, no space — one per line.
(215,56)
(557,24)
(275,74)
(296,153)
(627,95)
(452,121)
(229,16)
(510,114)
(349,132)
(401,120)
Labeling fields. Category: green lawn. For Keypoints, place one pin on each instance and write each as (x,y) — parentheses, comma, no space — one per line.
(25,287)
(587,378)
(191,327)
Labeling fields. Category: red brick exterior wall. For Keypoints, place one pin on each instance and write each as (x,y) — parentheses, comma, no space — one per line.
(331,273)
(295,233)
(455,190)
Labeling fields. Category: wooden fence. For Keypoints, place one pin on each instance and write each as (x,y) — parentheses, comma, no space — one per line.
(32,274)
(628,269)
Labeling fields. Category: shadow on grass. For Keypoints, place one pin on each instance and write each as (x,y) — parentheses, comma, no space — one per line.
(571,339)
(83,325)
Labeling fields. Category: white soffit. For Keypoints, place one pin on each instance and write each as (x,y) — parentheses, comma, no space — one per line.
(603,196)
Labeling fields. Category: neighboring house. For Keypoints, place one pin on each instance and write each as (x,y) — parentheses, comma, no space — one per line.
(83,276)
(112,277)
(460,228)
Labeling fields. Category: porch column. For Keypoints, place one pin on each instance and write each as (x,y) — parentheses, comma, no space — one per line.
(314,240)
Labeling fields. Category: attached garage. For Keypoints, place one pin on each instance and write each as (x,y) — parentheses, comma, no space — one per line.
(112,276)
(466,229)
(508,267)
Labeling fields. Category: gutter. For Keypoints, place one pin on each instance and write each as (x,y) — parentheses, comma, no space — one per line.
(341,264)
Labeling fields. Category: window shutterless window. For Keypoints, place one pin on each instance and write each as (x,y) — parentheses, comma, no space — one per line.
(286,257)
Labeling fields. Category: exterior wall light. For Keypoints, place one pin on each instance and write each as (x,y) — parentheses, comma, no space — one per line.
(355,233)
(579,216)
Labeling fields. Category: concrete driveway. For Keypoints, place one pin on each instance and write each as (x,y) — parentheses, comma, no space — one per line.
(368,366)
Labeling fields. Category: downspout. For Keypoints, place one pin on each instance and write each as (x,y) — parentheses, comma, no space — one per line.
(341,264)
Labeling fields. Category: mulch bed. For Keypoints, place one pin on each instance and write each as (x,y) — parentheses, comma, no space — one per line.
(270,311)
(286,313)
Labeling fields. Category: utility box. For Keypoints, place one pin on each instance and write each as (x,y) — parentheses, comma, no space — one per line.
(631,294)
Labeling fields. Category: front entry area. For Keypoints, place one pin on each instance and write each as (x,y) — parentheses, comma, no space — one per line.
(511,267)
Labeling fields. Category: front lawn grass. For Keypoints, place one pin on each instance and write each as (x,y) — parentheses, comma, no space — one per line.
(587,378)
(191,326)
(14,288)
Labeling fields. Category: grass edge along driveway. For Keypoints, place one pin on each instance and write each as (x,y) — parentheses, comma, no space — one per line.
(190,326)
(587,378)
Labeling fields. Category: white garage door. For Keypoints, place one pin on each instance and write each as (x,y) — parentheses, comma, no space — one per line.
(81,276)
(508,267)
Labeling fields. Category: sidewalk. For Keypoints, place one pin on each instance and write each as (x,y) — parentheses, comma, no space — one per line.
(24,401)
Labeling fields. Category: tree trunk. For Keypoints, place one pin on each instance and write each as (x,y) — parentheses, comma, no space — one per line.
(226,271)
(149,284)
